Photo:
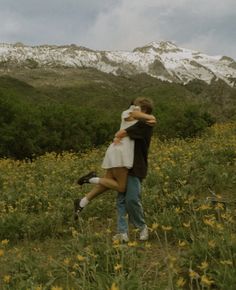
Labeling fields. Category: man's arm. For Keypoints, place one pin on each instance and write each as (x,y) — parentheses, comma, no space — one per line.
(136,131)
(141,116)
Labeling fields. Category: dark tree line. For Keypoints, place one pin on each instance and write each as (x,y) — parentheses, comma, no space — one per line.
(27,130)
(30,129)
(34,121)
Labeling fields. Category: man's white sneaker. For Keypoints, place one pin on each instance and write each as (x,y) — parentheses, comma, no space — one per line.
(144,234)
(122,238)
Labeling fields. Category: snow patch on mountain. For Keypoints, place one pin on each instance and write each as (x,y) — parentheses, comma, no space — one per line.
(163,60)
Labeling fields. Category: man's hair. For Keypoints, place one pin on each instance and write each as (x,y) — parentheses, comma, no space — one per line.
(145,104)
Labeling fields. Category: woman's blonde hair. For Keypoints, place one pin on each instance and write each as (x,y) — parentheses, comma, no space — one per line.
(145,104)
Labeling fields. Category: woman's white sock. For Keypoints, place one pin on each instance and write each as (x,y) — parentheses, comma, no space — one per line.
(84,201)
(94,180)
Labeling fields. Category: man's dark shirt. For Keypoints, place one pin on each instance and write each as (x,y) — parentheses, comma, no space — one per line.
(141,133)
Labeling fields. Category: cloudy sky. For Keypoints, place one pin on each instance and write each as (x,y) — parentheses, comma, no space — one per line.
(204,25)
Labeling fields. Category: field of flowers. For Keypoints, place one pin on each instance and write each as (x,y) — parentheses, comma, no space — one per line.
(189,198)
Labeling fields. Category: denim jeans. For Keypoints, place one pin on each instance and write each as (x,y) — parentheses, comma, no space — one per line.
(130,203)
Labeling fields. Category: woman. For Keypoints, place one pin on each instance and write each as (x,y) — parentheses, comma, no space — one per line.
(119,155)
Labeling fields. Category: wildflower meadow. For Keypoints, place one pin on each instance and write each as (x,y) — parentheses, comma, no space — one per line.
(189,198)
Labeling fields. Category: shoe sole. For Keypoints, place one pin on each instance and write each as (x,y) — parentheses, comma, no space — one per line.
(85,178)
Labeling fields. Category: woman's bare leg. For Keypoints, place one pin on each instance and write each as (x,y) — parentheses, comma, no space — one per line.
(117,179)
(95,191)
(99,188)
(121,175)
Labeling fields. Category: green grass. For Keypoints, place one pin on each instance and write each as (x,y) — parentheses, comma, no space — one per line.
(192,240)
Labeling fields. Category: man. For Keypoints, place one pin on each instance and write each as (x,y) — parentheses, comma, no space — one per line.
(130,201)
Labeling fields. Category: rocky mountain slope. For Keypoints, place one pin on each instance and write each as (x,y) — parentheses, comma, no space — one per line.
(164,60)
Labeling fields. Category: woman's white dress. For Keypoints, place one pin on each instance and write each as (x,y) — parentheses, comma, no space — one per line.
(122,154)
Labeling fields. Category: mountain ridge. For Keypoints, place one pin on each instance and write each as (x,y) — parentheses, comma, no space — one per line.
(163,60)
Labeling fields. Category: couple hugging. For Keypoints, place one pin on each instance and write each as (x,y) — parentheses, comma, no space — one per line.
(125,162)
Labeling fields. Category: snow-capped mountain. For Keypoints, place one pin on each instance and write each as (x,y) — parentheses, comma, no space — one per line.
(162,60)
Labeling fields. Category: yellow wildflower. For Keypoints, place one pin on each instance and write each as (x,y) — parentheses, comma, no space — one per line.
(80,258)
(180,282)
(193,274)
(219,226)
(204,207)
(219,206)
(228,217)
(7,279)
(56,288)
(66,261)
(186,225)
(132,244)
(204,265)
(154,226)
(75,266)
(116,244)
(4,242)
(117,267)
(166,228)
(1,253)
(178,210)
(182,243)
(114,287)
(189,200)
(209,222)
(206,280)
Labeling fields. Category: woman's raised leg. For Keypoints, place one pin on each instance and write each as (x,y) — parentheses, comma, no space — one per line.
(115,178)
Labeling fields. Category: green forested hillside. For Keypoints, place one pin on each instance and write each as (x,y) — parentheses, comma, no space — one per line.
(62,109)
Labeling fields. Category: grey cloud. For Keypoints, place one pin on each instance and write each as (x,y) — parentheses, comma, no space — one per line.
(206,25)
(51,21)
(217,31)
(210,22)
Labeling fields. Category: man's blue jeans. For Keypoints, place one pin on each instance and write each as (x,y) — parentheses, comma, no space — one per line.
(130,202)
